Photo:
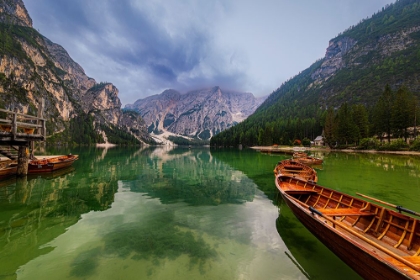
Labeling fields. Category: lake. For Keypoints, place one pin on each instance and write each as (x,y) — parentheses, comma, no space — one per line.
(162,213)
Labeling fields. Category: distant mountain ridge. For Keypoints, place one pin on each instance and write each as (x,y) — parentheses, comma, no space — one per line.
(197,114)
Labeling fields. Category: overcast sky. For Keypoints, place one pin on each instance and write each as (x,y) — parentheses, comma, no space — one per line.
(146,46)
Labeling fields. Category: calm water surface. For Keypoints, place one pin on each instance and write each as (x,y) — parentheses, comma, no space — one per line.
(180,214)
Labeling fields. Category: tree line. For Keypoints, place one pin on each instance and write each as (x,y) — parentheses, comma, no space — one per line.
(348,125)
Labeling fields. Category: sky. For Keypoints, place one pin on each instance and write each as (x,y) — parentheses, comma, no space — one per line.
(146,46)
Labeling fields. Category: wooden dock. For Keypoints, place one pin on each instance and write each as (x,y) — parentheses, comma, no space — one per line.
(18,133)
(17,128)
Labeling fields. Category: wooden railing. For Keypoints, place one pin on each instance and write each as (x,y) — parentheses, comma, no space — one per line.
(19,126)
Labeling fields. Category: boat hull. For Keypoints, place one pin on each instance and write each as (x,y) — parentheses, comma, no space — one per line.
(366,265)
(8,171)
(8,168)
(45,166)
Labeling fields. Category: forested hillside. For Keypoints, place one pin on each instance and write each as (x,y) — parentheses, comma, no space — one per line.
(359,63)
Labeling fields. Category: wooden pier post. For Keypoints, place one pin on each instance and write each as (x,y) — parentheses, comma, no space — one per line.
(23,161)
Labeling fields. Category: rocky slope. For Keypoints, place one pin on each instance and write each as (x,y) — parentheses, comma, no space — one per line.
(196,114)
(32,68)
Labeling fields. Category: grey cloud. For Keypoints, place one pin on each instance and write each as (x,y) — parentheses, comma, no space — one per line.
(146,46)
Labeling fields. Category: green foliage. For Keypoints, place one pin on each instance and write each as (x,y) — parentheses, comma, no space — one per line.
(187,142)
(402,112)
(392,18)
(382,113)
(369,144)
(119,137)
(347,131)
(330,127)
(361,120)
(396,145)
(306,142)
(99,86)
(415,146)
(394,113)
(12,47)
(81,131)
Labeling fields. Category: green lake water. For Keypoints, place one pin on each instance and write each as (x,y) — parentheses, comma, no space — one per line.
(158,213)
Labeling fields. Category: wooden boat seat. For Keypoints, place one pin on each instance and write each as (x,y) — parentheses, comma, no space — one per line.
(294,189)
(301,191)
(345,212)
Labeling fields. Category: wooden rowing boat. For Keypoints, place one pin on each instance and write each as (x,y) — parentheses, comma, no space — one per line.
(8,168)
(299,154)
(295,169)
(51,164)
(376,242)
(309,160)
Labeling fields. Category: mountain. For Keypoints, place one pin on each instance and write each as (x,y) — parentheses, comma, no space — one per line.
(197,114)
(381,50)
(34,70)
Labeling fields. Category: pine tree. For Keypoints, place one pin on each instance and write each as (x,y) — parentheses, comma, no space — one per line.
(402,112)
(382,118)
(347,131)
(360,118)
(330,128)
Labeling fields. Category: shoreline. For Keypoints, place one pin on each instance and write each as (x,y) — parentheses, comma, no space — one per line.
(327,150)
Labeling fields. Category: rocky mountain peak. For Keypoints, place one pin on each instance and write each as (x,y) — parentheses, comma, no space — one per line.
(14,12)
(171,94)
(333,60)
(198,114)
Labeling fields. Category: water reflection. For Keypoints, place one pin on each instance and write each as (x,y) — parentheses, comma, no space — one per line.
(37,208)
(161,213)
(149,213)
(194,177)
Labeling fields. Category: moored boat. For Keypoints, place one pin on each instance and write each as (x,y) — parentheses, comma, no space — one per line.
(309,160)
(8,168)
(376,242)
(299,154)
(51,164)
(295,169)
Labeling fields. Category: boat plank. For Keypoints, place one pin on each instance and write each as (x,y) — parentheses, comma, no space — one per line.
(345,212)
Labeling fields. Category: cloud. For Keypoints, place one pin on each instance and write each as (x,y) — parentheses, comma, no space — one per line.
(144,47)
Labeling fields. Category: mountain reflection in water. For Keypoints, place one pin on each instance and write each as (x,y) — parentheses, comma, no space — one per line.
(152,213)
(162,213)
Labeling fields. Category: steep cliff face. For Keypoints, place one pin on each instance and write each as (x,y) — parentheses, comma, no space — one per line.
(347,53)
(198,114)
(32,68)
(334,58)
(14,12)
